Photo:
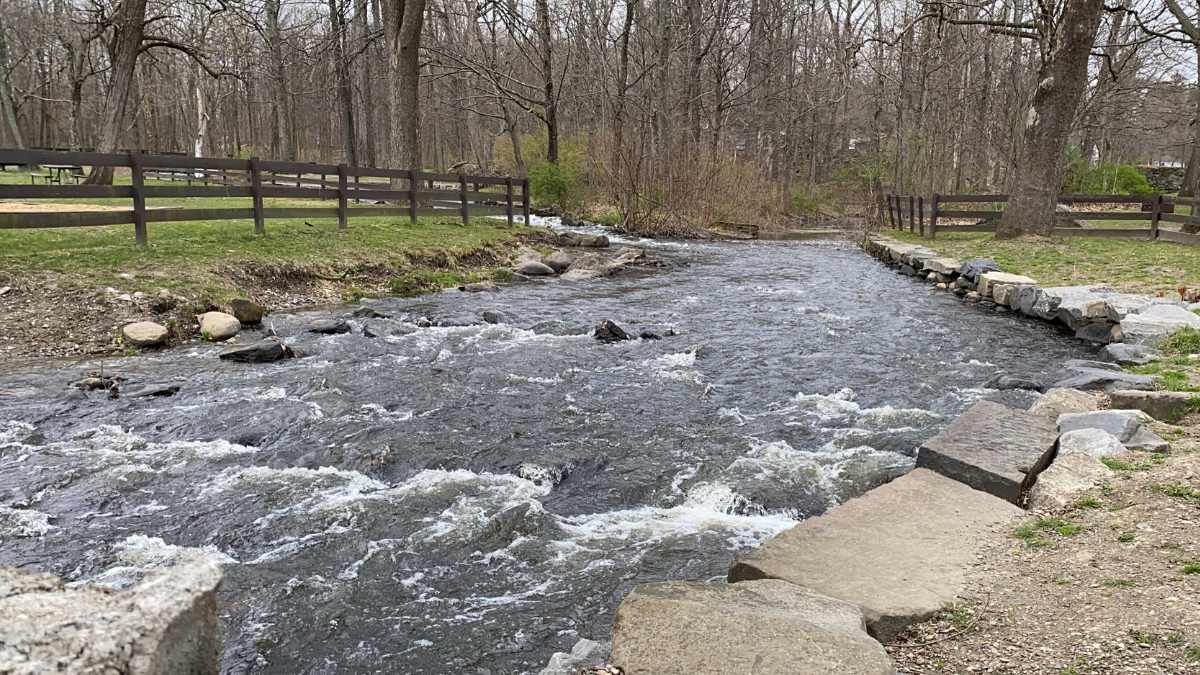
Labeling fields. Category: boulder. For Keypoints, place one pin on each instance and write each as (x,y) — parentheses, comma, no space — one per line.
(974,268)
(583,653)
(262,351)
(218,326)
(1148,441)
(582,240)
(608,331)
(1165,406)
(900,552)
(988,279)
(559,261)
(1056,402)
(1005,382)
(993,448)
(247,312)
(479,287)
(1099,332)
(387,328)
(534,268)
(493,316)
(1073,305)
(1089,377)
(943,266)
(144,334)
(165,624)
(1062,483)
(154,391)
(1120,423)
(591,266)
(1156,322)
(1094,443)
(328,327)
(1127,354)
(366,312)
(681,628)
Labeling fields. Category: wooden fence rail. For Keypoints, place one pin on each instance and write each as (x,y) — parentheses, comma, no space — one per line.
(911,213)
(392,192)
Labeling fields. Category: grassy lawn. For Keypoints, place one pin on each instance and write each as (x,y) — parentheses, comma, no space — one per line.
(1129,265)
(196,256)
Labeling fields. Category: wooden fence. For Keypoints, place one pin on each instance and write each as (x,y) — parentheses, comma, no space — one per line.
(916,215)
(418,193)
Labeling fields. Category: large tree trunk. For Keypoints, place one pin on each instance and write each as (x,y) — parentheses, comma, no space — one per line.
(402,22)
(366,82)
(337,26)
(283,144)
(129,22)
(8,106)
(1191,176)
(1062,80)
(545,38)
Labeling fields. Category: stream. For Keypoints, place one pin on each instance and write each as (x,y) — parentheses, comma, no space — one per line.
(474,498)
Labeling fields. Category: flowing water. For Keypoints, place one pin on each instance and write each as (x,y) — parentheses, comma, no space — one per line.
(475,498)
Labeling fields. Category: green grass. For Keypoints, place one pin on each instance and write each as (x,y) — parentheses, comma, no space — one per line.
(1192,654)
(1182,342)
(1088,502)
(1128,264)
(1192,568)
(1126,537)
(196,255)
(1177,490)
(1119,583)
(1121,464)
(1033,533)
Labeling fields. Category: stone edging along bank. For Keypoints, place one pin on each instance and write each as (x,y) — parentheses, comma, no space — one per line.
(822,596)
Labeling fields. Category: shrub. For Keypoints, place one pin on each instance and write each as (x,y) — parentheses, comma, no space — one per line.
(1121,179)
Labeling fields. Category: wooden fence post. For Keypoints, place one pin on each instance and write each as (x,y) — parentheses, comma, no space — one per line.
(1155,216)
(899,213)
(921,215)
(462,198)
(260,226)
(343,201)
(139,199)
(508,205)
(525,200)
(912,212)
(891,213)
(933,215)
(412,196)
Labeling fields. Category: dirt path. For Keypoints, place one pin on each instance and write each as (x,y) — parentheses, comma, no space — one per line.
(1112,585)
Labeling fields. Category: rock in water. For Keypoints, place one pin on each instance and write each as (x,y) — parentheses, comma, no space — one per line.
(1004,382)
(607,331)
(559,261)
(218,326)
(144,334)
(583,240)
(328,327)
(534,268)
(479,287)
(764,627)
(248,312)
(263,351)
(366,312)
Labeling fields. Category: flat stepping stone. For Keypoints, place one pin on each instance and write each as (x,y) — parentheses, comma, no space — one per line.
(763,627)
(900,552)
(993,448)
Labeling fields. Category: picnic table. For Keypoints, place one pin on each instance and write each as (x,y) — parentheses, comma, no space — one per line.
(55,172)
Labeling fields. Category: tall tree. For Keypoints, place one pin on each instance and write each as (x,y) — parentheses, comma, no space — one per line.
(402,23)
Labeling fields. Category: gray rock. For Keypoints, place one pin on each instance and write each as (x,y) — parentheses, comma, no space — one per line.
(1094,443)
(1120,423)
(974,268)
(387,328)
(988,279)
(557,327)
(608,331)
(1025,298)
(366,312)
(1056,402)
(218,326)
(1064,481)
(993,448)
(263,351)
(583,654)
(559,261)
(144,334)
(493,316)
(679,628)
(479,287)
(1147,441)
(247,312)
(1166,406)
(1073,305)
(592,265)
(901,552)
(1127,354)
(328,327)
(1003,382)
(1156,322)
(943,266)
(908,271)
(165,625)
(1099,332)
(1092,377)
(582,240)
(153,391)
(534,268)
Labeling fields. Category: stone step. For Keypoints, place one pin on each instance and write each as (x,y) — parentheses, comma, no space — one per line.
(762,627)
(993,448)
(900,552)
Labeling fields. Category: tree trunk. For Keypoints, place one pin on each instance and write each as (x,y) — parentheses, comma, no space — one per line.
(366,82)
(8,106)
(402,22)
(1062,80)
(1191,176)
(129,22)
(337,27)
(282,139)
(545,37)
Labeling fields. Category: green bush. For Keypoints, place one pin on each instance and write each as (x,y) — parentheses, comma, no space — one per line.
(553,184)
(564,184)
(1121,179)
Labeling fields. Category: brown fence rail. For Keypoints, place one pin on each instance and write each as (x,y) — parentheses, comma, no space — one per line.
(393,192)
(913,213)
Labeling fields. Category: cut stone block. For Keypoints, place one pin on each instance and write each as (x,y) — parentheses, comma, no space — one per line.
(1156,322)
(900,552)
(1065,480)
(988,279)
(1094,443)
(1166,406)
(681,628)
(1120,423)
(943,266)
(993,448)
(1056,402)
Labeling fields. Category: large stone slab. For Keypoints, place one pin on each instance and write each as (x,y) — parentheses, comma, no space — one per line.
(761,627)
(900,552)
(1166,406)
(166,625)
(1055,402)
(988,279)
(1060,485)
(1129,426)
(944,266)
(992,448)
(1153,323)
